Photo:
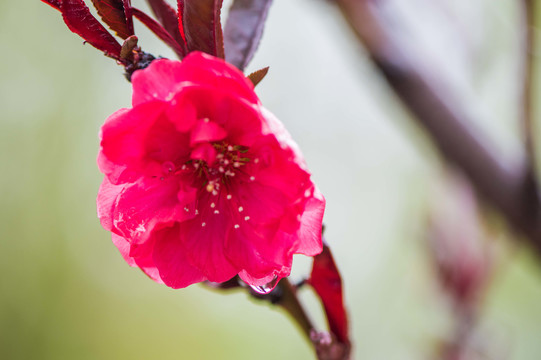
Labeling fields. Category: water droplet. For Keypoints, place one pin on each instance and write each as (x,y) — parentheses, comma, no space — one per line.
(267,288)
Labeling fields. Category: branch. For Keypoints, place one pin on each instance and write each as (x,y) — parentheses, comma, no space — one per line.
(508,187)
(528,23)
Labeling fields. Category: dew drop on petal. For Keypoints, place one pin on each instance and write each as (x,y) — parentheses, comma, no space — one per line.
(267,288)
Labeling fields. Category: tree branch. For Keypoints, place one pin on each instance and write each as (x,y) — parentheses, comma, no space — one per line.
(528,9)
(509,187)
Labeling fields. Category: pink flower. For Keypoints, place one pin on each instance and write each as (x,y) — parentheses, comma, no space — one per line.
(203,183)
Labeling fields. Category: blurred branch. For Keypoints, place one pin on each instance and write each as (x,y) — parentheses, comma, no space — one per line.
(528,23)
(509,187)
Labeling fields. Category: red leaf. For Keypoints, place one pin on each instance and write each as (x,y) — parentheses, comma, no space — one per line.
(116,14)
(202,27)
(53,3)
(157,29)
(258,75)
(168,17)
(80,21)
(243,30)
(326,281)
(180,17)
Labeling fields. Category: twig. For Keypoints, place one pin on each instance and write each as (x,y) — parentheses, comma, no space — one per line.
(528,24)
(290,302)
(509,187)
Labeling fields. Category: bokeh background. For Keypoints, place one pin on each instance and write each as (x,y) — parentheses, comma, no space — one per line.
(66,293)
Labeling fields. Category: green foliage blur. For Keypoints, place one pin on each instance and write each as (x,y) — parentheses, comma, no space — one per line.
(65,291)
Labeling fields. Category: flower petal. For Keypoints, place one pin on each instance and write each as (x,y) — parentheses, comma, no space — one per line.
(170,259)
(107,197)
(145,262)
(204,236)
(206,130)
(201,68)
(149,202)
(159,81)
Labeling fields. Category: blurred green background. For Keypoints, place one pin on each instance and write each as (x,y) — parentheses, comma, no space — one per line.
(66,293)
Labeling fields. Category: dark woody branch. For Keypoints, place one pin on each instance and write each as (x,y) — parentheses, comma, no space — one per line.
(508,187)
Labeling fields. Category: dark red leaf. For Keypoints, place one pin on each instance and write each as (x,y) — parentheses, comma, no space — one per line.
(258,75)
(243,30)
(168,17)
(79,20)
(53,3)
(202,27)
(180,13)
(326,281)
(157,29)
(113,13)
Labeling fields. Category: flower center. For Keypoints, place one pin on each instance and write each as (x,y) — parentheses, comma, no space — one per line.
(229,161)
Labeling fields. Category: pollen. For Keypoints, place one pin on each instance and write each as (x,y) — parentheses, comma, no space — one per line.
(229,197)
(213,205)
(237,226)
(246,218)
(241,208)
(210,187)
(203,224)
